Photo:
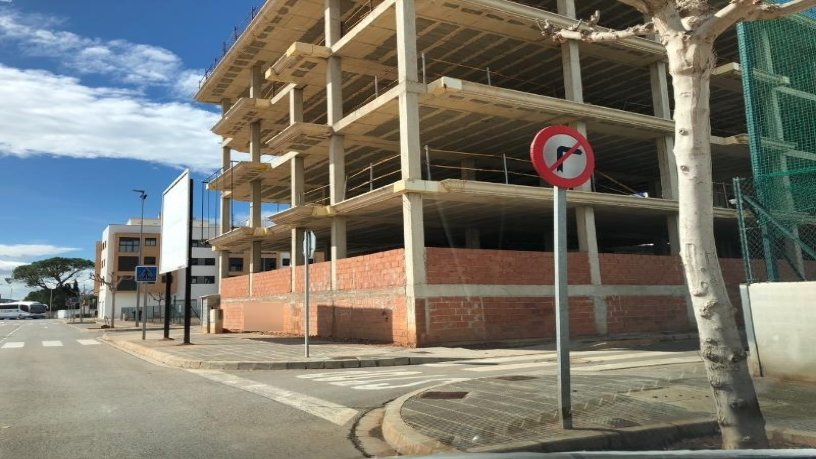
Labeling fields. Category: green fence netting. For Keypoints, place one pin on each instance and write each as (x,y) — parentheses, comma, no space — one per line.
(778,205)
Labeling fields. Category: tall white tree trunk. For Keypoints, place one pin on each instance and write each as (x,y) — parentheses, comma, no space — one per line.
(739,416)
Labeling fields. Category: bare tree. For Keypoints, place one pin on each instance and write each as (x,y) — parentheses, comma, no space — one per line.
(688,29)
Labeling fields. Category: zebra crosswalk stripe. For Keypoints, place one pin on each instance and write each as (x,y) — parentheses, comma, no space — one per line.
(589,361)
(52,343)
(88,342)
(12,345)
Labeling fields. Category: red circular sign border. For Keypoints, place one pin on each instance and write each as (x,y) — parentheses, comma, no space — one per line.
(543,168)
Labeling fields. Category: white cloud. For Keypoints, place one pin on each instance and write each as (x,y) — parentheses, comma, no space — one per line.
(6,267)
(136,64)
(32,250)
(46,113)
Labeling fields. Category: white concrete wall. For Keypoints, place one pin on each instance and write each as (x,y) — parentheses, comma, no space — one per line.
(784,322)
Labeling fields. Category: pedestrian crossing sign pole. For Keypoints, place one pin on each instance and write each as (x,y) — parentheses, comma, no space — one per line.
(564,158)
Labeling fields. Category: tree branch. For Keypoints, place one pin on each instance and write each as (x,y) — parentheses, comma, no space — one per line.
(774,11)
(590,32)
(748,10)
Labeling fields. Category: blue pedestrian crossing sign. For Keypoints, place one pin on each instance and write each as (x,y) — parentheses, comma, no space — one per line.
(147,274)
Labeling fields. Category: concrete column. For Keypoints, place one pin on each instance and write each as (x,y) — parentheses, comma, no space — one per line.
(297,182)
(665,149)
(337,151)
(255,263)
(225,224)
(295,106)
(472,235)
(584,216)
(412,207)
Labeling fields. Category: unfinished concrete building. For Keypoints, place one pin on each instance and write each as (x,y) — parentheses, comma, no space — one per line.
(399,132)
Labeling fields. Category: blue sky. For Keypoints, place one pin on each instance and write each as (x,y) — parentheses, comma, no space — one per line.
(96,100)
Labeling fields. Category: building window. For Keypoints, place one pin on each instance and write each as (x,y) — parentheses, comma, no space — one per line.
(150,260)
(203,262)
(268,264)
(126,284)
(202,279)
(236,264)
(150,242)
(285,262)
(129,244)
(127,263)
(200,243)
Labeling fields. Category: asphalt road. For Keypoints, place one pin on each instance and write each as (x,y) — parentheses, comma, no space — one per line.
(65,394)
(60,397)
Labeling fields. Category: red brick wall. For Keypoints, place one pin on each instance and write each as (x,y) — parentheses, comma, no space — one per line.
(235,287)
(373,317)
(462,319)
(625,269)
(273,282)
(504,267)
(319,277)
(233,316)
(643,314)
(377,270)
(367,311)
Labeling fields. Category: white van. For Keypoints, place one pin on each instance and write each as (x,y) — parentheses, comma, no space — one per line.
(23,310)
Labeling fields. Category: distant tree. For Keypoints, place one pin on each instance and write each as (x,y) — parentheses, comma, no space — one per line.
(57,272)
(44,296)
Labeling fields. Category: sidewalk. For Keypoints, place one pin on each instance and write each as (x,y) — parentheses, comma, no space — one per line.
(633,409)
(254,351)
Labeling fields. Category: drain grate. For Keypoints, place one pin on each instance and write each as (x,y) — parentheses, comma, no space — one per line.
(517,378)
(438,395)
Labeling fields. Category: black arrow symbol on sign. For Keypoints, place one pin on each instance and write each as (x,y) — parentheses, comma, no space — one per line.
(565,151)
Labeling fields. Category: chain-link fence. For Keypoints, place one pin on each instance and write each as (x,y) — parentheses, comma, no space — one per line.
(777,244)
(155,313)
(778,206)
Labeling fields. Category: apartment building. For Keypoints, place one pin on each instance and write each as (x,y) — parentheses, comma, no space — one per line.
(399,132)
(117,255)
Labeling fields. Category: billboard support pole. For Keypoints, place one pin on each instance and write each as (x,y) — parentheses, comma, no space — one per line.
(188,278)
(168,282)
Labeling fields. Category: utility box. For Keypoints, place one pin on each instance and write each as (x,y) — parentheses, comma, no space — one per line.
(216,321)
(209,303)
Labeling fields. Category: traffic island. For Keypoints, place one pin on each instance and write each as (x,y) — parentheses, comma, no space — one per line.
(633,411)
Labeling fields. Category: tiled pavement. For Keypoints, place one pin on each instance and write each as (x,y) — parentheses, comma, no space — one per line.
(487,413)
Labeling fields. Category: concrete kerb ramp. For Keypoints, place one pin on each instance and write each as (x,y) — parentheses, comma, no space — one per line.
(408,441)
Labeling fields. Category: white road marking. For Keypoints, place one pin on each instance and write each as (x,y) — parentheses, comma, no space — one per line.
(639,363)
(52,343)
(88,342)
(373,380)
(586,357)
(332,412)
(12,345)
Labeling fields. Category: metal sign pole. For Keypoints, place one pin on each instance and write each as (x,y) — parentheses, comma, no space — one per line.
(144,312)
(306,251)
(562,306)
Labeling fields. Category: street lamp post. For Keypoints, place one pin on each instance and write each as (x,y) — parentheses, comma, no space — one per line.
(142,196)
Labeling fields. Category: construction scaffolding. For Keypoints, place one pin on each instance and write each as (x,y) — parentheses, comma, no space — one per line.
(778,207)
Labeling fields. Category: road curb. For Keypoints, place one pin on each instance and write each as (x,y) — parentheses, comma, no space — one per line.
(791,435)
(359,362)
(407,441)
(402,437)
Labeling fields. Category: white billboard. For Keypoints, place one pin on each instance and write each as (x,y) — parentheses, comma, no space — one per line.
(175,225)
